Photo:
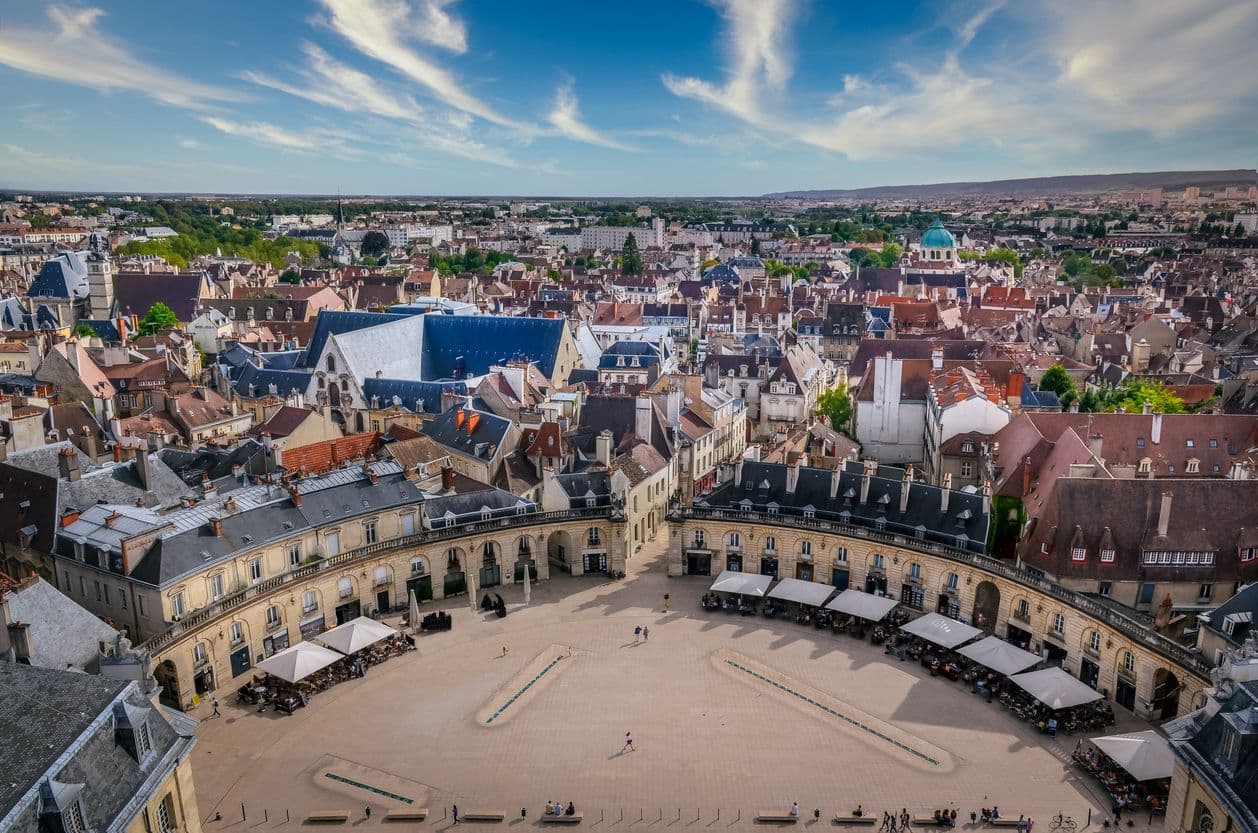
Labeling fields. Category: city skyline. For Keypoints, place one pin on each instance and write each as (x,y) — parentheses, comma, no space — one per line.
(735,97)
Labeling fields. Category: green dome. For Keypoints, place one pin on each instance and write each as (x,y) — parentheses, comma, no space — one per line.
(938,237)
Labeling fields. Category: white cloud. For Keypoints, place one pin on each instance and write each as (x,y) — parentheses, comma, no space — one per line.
(332,83)
(76,51)
(440,28)
(189,144)
(265,133)
(566,118)
(1161,67)
(378,29)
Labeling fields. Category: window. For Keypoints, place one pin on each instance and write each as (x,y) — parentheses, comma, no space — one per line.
(1194,466)
(915,572)
(967,469)
(272,617)
(880,563)
(810,513)
(382,575)
(1206,591)
(840,555)
(736,542)
(1059,624)
(165,820)
(369,532)
(139,603)
(805,549)
(408,523)
(1023,610)
(452,559)
(294,555)
(418,567)
(770,543)
(1078,554)
(700,539)
(1189,443)
(177,609)
(237,631)
(122,597)
(1170,469)
(1094,642)
(332,541)
(200,656)
(1247,554)
(967,447)
(143,742)
(72,818)
(309,601)
(1146,465)
(331,364)
(255,570)
(216,586)
(1214,443)
(594,537)
(345,587)
(952,582)
(1129,662)
(98,593)
(1107,556)
(1139,442)
(1103,589)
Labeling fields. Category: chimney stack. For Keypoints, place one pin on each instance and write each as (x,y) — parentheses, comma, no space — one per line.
(834,480)
(68,463)
(1155,431)
(792,477)
(867,472)
(642,418)
(143,468)
(208,489)
(447,478)
(1096,444)
(1013,396)
(936,358)
(905,487)
(738,472)
(216,523)
(69,516)
(603,447)
(944,493)
(1164,514)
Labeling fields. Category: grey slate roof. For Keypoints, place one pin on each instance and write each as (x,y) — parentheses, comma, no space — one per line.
(460,345)
(64,276)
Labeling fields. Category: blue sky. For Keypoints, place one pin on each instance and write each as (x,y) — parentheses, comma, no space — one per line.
(599,98)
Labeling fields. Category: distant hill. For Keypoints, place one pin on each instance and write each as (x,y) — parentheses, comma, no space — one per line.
(1083,184)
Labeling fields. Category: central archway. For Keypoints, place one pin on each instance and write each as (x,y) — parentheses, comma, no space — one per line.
(986,606)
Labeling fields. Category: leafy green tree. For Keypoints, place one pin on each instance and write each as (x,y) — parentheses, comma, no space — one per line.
(630,257)
(159,317)
(836,406)
(1134,394)
(1239,231)
(755,245)
(375,243)
(290,276)
(83,331)
(1056,380)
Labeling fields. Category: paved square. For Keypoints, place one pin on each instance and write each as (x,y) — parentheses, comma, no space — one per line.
(706,740)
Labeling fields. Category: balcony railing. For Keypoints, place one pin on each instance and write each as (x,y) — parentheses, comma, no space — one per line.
(1132,625)
(199,618)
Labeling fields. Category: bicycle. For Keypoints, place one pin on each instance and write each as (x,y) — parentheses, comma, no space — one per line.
(1061,822)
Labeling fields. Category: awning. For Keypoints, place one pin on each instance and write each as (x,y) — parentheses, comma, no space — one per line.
(862,605)
(1147,756)
(939,629)
(999,655)
(746,584)
(298,662)
(356,634)
(1055,688)
(804,592)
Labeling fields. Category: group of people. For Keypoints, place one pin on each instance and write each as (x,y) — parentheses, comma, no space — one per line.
(946,818)
(496,604)
(558,809)
(892,822)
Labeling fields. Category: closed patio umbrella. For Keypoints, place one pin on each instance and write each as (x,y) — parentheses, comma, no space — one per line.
(528,584)
(412,615)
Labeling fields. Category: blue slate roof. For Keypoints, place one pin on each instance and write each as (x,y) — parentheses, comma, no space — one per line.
(13,316)
(409,392)
(645,353)
(722,272)
(1041,399)
(106,329)
(283,360)
(335,323)
(450,429)
(64,276)
(253,381)
(457,346)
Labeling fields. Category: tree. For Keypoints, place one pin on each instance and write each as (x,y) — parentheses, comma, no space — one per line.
(836,406)
(290,276)
(159,317)
(84,331)
(1056,380)
(630,257)
(1133,394)
(375,243)
(1239,231)
(755,243)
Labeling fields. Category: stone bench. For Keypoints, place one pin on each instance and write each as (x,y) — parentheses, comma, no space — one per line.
(855,820)
(927,821)
(328,817)
(771,817)
(1004,822)
(482,815)
(560,818)
(407,814)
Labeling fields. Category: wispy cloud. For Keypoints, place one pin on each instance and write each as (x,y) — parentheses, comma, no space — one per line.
(385,30)
(566,118)
(264,133)
(189,144)
(437,26)
(73,49)
(332,83)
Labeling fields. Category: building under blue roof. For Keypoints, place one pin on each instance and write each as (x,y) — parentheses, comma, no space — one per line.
(459,346)
(416,396)
(64,276)
(335,323)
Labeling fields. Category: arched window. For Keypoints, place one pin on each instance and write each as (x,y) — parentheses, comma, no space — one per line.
(770,544)
(272,617)
(735,541)
(594,537)
(525,549)
(419,567)
(345,587)
(452,560)
(700,539)
(805,549)
(331,363)
(382,575)
(488,555)
(952,581)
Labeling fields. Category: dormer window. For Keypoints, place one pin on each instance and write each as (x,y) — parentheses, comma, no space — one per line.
(1146,465)
(1078,554)
(131,730)
(1107,556)
(1194,466)
(62,808)
(967,447)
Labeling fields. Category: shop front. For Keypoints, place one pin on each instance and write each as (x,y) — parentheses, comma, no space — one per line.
(240,661)
(1089,672)
(274,643)
(312,626)
(348,611)
(769,566)
(698,562)
(734,562)
(594,562)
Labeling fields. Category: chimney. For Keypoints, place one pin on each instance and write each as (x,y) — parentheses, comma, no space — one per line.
(1013,394)
(936,358)
(208,489)
(1164,515)
(447,478)
(216,524)
(867,472)
(142,467)
(944,493)
(987,497)
(603,447)
(72,355)
(905,487)
(69,516)
(370,474)
(738,472)
(792,477)
(68,463)
(1026,476)
(1155,431)
(1237,472)
(294,495)
(642,418)
(1096,443)
(834,480)
(1147,409)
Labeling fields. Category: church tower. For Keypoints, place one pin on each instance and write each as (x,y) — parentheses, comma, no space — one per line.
(100,278)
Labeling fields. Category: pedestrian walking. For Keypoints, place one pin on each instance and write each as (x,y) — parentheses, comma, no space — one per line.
(886,821)
(893,823)
(904,818)
(367,812)
(637,634)
(666,602)
(646,634)
(628,742)
(214,702)
(454,811)
(504,650)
